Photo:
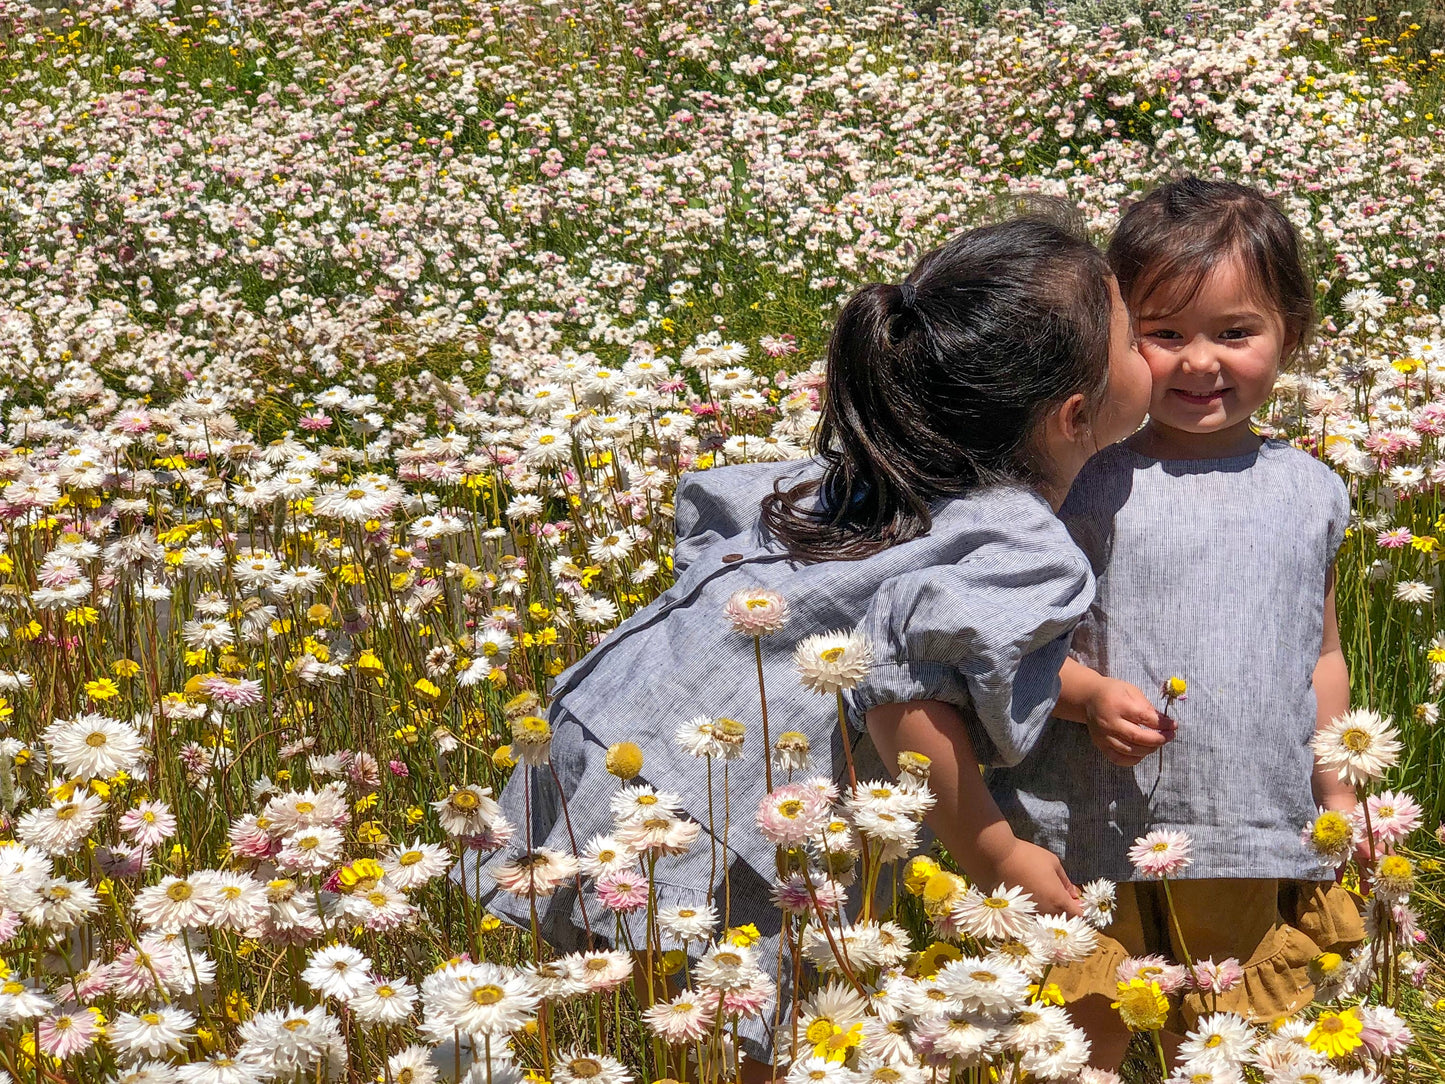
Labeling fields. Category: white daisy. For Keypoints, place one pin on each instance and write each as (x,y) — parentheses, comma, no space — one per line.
(338,971)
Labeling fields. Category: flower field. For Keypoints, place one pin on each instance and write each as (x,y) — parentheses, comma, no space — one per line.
(349,356)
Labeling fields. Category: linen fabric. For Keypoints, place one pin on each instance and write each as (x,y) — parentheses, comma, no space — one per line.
(977,612)
(1213,571)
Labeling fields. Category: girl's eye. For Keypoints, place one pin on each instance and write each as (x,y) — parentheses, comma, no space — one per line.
(1234,334)
(1160,333)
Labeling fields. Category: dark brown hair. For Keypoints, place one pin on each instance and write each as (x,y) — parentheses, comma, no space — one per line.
(1168,243)
(936,386)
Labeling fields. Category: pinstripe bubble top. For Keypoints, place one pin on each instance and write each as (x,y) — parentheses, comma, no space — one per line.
(1214,571)
(976,612)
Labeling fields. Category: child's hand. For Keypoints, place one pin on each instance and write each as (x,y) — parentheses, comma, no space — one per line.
(1124,724)
(1037,872)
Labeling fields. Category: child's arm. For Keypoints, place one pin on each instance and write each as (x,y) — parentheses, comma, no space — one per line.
(1332,699)
(965,818)
(1122,722)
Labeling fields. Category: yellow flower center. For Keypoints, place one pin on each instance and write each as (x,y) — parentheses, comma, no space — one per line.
(305,807)
(998,903)
(791,808)
(832,654)
(180,891)
(1355,740)
(464,800)
(296,1023)
(151,1018)
(585,1068)
(385,991)
(95,739)
(410,858)
(487,995)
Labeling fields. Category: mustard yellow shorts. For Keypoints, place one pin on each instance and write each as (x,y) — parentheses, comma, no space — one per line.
(1273,928)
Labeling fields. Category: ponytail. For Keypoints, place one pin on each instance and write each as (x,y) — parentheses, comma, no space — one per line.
(934,386)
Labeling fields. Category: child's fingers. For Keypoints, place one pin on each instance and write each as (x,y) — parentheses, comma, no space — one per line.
(1140,738)
(1116,752)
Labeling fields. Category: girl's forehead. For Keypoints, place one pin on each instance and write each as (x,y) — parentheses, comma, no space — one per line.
(1228,286)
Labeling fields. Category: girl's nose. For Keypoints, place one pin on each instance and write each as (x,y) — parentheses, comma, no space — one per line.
(1200,360)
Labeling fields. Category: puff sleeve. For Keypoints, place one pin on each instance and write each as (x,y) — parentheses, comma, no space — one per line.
(987,635)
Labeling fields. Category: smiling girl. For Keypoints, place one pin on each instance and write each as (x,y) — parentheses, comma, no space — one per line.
(1214,550)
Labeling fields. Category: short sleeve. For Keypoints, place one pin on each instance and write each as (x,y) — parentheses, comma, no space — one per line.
(987,635)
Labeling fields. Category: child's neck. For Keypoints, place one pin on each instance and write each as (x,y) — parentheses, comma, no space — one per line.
(1159,441)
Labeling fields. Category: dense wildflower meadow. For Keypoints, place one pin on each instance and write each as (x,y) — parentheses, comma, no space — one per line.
(349,355)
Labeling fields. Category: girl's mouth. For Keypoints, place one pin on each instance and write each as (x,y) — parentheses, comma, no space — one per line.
(1200,400)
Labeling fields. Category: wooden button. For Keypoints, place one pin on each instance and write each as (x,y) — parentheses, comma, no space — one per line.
(729,558)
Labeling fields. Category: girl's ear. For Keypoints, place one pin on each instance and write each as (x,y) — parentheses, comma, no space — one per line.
(1070,420)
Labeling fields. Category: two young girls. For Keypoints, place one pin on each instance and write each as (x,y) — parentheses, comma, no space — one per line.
(1213,551)
(960,407)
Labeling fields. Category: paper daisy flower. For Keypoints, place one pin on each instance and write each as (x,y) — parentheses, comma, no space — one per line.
(791,814)
(1141,1005)
(985,986)
(154,1033)
(756,611)
(832,662)
(1004,914)
(694,922)
(1161,853)
(1331,835)
(1359,745)
(338,971)
(1098,899)
(91,746)
(1221,1035)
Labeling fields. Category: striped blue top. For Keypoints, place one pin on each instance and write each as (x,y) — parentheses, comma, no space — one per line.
(1214,571)
(977,612)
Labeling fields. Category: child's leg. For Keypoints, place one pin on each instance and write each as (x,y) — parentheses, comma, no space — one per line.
(1090,987)
(1108,1037)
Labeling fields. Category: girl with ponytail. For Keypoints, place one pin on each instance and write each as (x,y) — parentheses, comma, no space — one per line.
(957,409)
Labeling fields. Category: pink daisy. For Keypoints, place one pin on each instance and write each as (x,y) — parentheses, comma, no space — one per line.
(792,814)
(1161,853)
(750,1000)
(149,824)
(792,896)
(1393,816)
(65,1033)
(1218,978)
(1399,538)
(756,611)
(622,892)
